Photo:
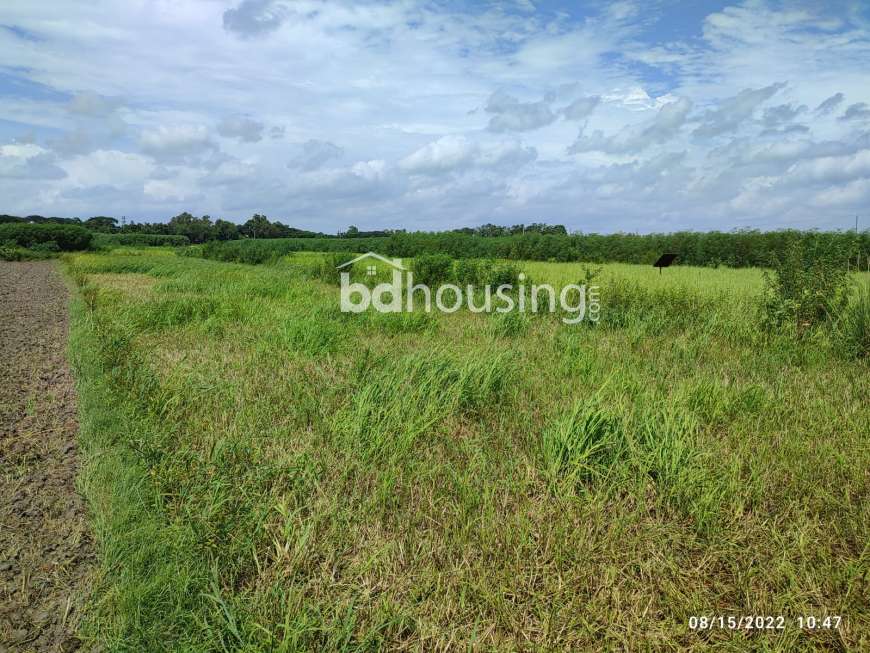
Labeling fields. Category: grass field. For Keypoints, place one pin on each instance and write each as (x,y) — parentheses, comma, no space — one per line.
(268,473)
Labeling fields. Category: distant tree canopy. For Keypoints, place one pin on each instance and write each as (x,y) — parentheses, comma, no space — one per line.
(194,229)
(733,249)
(494,230)
(534,241)
(101,223)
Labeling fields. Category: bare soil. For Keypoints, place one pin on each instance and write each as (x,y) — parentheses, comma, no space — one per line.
(46,553)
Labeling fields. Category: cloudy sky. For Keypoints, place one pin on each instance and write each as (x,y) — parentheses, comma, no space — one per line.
(649,115)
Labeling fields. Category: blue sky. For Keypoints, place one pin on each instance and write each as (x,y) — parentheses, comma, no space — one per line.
(618,116)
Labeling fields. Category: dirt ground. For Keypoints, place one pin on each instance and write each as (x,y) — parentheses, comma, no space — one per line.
(46,554)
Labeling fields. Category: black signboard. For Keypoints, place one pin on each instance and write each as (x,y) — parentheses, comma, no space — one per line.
(664,261)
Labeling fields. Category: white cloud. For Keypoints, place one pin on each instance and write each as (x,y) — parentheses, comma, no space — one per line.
(857,111)
(174,142)
(581,108)
(509,114)
(666,124)
(254,17)
(28,161)
(733,112)
(314,154)
(242,128)
(455,153)
(830,104)
(404,113)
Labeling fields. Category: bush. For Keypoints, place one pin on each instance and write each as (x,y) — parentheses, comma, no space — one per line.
(48,248)
(12,252)
(807,289)
(736,249)
(250,251)
(140,240)
(66,238)
(432,269)
(469,271)
(502,274)
(327,270)
(852,327)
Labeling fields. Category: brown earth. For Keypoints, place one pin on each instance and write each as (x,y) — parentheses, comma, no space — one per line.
(46,553)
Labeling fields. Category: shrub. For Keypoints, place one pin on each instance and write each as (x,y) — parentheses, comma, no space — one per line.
(852,327)
(48,248)
(806,290)
(469,271)
(432,269)
(140,240)
(327,270)
(67,238)
(250,251)
(502,274)
(12,252)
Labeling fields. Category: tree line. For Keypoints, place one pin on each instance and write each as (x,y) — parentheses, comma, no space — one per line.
(746,248)
(204,229)
(536,241)
(195,229)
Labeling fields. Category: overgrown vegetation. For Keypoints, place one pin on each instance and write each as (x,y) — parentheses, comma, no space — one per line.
(52,237)
(710,249)
(852,324)
(807,289)
(9,251)
(268,473)
(139,240)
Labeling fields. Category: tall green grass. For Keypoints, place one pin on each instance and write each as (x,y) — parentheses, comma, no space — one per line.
(268,473)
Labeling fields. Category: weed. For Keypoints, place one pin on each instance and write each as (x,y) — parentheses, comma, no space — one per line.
(806,290)
(851,329)
(432,269)
(582,445)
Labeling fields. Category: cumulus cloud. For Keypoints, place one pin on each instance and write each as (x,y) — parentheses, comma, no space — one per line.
(451,154)
(857,111)
(511,115)
(832,169)
(663,127)
(254,17)
(830,104)
(76,141)
(363,181)
(733,112)
(779,120)
(781,115)
(92,105)
(315,154)
(109,168)
(785,131)
(581,108)
(242,128)
(27,161)
(177,142)
(734,149)
(854,193)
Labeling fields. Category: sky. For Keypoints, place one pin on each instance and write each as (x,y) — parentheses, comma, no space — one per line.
(646,116)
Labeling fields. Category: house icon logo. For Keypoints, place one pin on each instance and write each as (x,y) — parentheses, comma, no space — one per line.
(371,257)
(387,296)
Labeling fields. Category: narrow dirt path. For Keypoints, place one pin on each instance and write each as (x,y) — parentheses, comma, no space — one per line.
(46,552)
